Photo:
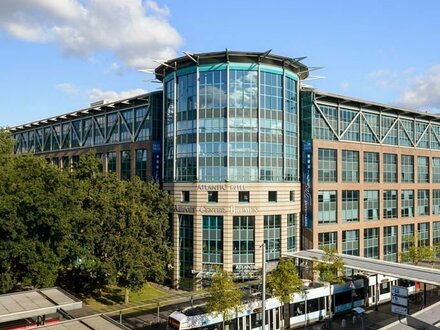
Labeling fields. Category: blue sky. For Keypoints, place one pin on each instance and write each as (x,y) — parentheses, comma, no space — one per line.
(58,56)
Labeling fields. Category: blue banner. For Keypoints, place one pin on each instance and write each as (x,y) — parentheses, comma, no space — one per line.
(156,163)
(307,172)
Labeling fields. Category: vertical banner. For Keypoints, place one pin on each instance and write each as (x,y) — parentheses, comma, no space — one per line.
(307,171)
(156,163)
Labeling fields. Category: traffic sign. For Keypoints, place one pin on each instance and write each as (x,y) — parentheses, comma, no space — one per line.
(399,309)
(399,291)
(399,300)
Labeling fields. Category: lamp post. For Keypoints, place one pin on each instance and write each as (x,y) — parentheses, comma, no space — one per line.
(263,294)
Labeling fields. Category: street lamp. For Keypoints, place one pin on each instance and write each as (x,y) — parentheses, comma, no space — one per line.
(263,294)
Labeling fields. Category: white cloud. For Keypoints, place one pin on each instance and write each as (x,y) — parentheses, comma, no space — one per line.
(96,94)
(424,90)
(67,88)
(135,31)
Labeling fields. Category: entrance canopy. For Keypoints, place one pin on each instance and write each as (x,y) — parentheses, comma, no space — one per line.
(393,269)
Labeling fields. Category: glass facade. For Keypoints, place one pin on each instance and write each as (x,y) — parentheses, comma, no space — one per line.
(327,165)
(119,122)
(243,240)
(435,232)
(390,243)
(350,166)
(436,169)
(436,201)
(371,205)
(272,236)
(371,167)
(350,206)
(212,243)
(228,133)
(350,242)
(371,243)
(327,205)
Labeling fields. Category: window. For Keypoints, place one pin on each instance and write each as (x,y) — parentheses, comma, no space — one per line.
(423,169)
(371,205)
(436,170)
(212,242)
(327,206)
(436,233)
(423,234)
(436,201)
(407,168)
(327,169)
(371,243)
(423,202)
(111,161)
(272,196)
(272,236)
(407,200)
(407,237)
(75,161)
(292,196)
(390,243)
(291,232)
(389,204)
(125,165)
(350,242)
(328,240)
(243,240)
(389,167)
(66,163)
(212,196)
(371,167)
(350,166)
(185,197)
(186,234)
(141,164)
(350,205)
(244,196)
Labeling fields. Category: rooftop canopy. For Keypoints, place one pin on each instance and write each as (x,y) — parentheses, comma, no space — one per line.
(393,269)
(293,64)
(21,305)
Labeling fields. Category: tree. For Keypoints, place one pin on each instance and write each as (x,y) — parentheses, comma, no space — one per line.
(284,282)
(417,253)
(330,267)
(6,142)
(120,232)
(224,296)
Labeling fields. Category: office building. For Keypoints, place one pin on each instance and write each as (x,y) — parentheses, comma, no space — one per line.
(249,156)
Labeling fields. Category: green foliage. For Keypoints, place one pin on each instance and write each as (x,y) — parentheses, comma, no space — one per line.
(84,227)
(225,296)
(6,143)
(284,281)
(330,266)
(417,253)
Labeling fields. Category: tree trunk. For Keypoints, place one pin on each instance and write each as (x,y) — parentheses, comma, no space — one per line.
(127,298)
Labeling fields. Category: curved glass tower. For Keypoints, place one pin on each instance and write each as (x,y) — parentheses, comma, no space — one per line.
(230,147)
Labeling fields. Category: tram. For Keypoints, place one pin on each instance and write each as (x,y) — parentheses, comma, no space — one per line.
(306,308)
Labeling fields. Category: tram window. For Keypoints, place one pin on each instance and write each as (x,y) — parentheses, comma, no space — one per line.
(342,298)
(314,305)
(384,288)
(256,320)
(297,308)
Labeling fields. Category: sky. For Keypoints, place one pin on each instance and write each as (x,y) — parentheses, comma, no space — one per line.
(58,56)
